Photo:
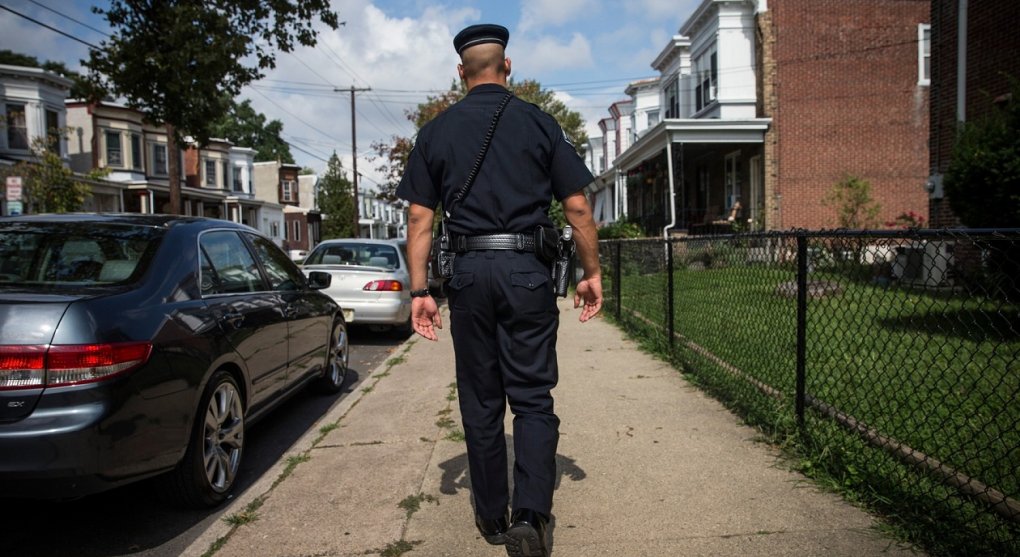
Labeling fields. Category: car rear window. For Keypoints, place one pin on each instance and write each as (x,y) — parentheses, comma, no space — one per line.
(355,253)
(64,254)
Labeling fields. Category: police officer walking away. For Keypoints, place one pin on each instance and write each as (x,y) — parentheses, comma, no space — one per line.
(502,302)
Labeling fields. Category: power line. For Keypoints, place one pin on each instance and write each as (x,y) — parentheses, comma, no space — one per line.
(65,16)
(277,105)
(54,29)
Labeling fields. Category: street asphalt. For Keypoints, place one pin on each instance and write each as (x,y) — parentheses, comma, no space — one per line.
(648,466)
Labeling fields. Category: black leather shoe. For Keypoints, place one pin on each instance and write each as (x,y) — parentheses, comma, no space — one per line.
(526,536)
(493,530)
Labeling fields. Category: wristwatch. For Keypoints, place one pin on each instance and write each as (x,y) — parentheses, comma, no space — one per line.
(420,293)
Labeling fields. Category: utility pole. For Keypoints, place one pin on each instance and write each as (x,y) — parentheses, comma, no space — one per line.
(354,158)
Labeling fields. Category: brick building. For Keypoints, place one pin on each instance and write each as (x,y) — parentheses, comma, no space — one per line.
(842,81)
(983,35)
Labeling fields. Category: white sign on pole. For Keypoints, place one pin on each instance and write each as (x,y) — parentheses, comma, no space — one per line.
(13,188)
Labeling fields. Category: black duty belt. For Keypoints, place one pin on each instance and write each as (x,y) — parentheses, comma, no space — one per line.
(516,242)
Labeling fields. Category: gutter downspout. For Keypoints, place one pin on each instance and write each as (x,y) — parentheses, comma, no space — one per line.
(961,62)
(672,192)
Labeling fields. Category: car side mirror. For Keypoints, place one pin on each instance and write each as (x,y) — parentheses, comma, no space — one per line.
(319,280)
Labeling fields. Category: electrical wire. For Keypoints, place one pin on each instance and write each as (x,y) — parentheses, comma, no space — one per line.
(54,29)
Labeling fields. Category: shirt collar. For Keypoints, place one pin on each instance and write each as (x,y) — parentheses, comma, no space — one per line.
(488,88)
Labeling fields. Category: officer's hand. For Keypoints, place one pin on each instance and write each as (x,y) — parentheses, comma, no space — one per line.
(425,316)
(589,290)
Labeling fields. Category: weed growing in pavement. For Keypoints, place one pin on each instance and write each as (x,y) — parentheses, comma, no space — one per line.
(445,422)
(412,503)
(368,389)
(292,462)
(396,361)
(395,549)
(455,435)
(452,395)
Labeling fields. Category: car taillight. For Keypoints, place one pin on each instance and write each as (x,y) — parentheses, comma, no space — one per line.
(22,367)
(384,285)
(27,367)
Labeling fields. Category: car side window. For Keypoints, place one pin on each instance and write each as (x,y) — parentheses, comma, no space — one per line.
(228,266)
(283,273)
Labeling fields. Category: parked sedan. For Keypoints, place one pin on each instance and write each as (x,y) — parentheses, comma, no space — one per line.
(370,280)
(141,345)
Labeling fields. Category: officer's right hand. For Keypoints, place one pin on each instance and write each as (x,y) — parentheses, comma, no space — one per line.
(425,318)
(589,291)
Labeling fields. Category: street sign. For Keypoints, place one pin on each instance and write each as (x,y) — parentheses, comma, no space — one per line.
(14,208)
(13,188)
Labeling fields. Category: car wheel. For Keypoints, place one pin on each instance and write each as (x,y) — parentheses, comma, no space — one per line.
(339,358)
(207,472)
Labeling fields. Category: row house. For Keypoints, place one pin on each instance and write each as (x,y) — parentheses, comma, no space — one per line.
(280,182)
(763,106)
(216,179)
(378,218)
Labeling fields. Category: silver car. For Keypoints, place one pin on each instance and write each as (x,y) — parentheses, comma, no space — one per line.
(370,280)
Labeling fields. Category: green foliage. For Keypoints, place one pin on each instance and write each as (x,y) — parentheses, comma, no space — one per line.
(245,127)
(982,182)
(393,155)
(621,228)
(181,62)
(855,208)
(336,201)
(49,185)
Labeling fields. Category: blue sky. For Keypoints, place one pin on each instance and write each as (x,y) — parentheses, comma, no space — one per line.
(584,50)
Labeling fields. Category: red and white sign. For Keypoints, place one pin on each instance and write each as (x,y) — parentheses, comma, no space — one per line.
(13,188)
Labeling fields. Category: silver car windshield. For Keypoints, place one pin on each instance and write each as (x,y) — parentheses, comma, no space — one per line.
(355,253)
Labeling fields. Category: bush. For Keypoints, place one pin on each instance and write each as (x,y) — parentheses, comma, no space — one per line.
(621,229)
(855,208)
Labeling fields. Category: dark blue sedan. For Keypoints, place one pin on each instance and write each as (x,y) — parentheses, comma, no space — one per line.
(134,346)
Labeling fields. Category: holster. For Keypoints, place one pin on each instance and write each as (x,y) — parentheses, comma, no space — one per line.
(442,257)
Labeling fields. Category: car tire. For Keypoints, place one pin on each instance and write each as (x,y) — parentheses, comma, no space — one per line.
(403,330)
(206,474)
(332,381)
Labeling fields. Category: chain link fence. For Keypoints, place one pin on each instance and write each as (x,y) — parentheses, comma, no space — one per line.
(889,361)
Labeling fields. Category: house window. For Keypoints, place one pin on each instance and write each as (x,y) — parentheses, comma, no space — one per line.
(136,151)
(17,129)
(237,182)
(53,131)
(732,177)
(210,173)
(653,117)
(924,54)
(672,97)
(706,70)
(225,174)
(288,190)
(114,152)
(297,231)
(159,160)
(274,229)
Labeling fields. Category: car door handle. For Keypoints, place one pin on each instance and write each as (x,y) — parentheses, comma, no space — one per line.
(234,318)
(290,311)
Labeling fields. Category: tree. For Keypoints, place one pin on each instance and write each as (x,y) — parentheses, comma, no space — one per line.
(855,208)
(336,201)
(982,182)
(243,126)
(394,155)
(48,185)
(181,61)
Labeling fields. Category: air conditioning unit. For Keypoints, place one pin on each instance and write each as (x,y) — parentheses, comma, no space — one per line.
(924,263)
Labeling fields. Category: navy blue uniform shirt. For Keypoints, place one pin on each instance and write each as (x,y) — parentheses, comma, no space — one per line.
(529,163)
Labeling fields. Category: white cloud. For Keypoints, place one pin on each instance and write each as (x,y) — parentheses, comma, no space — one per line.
(671,10)
(549,53)
(537,14)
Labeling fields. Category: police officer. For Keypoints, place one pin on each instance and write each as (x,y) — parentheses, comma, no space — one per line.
(503,309)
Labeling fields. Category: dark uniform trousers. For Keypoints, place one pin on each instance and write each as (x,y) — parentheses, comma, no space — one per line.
(503,319)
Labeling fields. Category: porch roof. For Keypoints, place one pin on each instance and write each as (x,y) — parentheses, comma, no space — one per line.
(691,130)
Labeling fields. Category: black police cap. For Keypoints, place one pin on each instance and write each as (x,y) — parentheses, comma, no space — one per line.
(480,34)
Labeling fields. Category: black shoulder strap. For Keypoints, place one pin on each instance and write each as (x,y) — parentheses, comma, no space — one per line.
(481,154)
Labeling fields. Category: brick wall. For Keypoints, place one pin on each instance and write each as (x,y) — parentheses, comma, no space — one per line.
(993,44)
(847,102)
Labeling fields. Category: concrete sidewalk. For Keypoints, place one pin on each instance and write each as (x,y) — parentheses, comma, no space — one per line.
(649,466)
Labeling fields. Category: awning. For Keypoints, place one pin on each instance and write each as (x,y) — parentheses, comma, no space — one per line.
(693,130)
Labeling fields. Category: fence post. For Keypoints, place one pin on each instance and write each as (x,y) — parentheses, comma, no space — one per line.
(618,290)
(802,272)
(670,326)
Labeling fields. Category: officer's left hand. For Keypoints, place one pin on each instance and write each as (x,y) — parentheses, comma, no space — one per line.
(425,318)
